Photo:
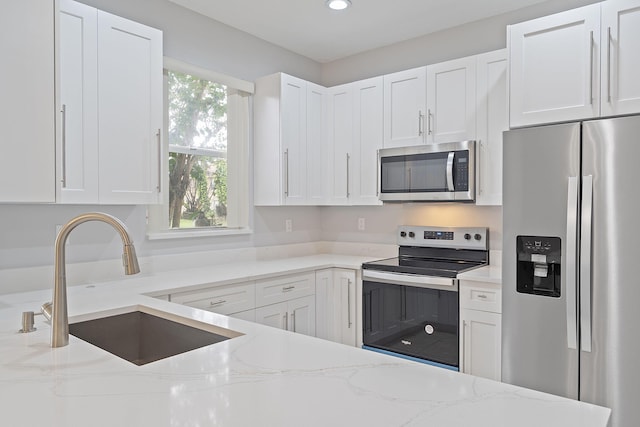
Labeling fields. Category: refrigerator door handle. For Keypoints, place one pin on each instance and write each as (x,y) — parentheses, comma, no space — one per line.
(585,263)
(571,256)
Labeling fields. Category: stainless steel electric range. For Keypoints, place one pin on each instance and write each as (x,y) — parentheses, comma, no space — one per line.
(410,303)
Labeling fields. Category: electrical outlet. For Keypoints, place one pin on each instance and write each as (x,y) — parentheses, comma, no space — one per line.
(288,225)
(361,224)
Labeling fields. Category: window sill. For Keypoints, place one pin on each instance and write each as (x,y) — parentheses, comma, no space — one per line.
(191,233)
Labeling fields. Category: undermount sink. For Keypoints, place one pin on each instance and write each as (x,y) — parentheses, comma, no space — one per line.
(141,337)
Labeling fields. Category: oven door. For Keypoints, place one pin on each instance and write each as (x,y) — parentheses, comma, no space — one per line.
(411,316)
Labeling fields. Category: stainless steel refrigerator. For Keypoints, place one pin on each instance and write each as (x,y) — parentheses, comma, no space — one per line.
(571,262)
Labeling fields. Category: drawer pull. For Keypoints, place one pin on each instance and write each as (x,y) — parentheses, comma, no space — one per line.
(220,302)
(288,288)
(482,296)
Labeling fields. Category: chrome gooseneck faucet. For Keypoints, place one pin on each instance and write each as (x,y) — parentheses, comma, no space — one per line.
(60,318)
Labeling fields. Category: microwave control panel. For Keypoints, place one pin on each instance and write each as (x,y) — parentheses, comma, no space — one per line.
(461,170)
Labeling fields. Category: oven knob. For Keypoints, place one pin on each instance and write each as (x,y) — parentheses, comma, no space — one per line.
(412,234)
(403,234)
(477,236)
(467,236)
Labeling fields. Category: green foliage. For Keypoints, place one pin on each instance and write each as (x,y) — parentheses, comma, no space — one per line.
(197,119)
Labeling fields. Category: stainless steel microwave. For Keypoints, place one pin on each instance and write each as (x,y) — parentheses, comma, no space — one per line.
(434,172)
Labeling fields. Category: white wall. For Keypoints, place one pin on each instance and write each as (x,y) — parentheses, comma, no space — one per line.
(469,39)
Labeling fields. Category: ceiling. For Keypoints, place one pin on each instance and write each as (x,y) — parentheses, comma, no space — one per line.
(311,29)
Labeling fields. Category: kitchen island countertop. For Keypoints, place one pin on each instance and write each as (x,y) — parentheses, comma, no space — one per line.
(266,377)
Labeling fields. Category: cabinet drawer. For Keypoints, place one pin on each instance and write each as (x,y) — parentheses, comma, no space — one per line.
(222,300)
(481,296)
(284,288)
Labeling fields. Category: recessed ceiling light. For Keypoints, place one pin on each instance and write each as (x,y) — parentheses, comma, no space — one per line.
(338,4)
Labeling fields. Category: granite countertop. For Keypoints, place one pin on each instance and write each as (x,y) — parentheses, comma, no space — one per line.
(266,377)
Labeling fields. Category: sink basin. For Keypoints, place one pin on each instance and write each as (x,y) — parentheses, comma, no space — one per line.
(140,337)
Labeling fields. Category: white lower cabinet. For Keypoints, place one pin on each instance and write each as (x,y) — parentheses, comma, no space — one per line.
(297,315)
(480,329)
(230,300)
(336,318)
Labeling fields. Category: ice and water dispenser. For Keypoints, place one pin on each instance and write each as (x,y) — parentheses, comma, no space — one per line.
(538,269)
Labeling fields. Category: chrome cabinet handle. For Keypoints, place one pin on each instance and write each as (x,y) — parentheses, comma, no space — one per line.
(349,323)
(286,321)
(571,256)
(420,123)
(293,321)
(480,166)
(450,185)
(286,172)
(348,158)
(429,115)
(591,68)
(609,64)
(217,303)
(482,296)
(63,179)
(463,359)
(585,263)
(288,288)
(159,140)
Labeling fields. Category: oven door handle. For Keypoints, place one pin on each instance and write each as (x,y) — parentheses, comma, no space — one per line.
(411,280)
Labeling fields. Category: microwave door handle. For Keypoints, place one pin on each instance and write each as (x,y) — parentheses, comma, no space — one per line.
(450,185)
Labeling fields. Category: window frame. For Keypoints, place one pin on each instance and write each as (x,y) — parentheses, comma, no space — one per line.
(238,160)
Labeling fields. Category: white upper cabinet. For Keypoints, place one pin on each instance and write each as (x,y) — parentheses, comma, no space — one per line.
(405,107)
(340,143)
(491,121)
(317,147)
(288,111)
(27,110)
(78,100)
(110,101)
(130,110)
(451,101)
(554,71)
(620,61)
(367,140)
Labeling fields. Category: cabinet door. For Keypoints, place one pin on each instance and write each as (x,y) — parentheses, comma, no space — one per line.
(317,152)
(620,62)
(275,315)
(340,138)
(405,94)
(293,131)
(492,120)
(130,106)
(480,343)
(326,308)
(249,315)
(451,100)
(302,315)
(27,110)
(345,284)
(367,140)
(554,73)
(78,103)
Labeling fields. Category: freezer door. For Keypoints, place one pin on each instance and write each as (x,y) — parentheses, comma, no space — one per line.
(540,193)
(609,373)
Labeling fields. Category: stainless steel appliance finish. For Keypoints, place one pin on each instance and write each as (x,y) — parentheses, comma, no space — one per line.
(576,182)
(432,172)
(411,303)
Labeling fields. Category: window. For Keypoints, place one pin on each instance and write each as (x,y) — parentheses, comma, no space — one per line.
(206,140)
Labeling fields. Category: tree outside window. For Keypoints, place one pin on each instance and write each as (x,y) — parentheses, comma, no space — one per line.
(197,131)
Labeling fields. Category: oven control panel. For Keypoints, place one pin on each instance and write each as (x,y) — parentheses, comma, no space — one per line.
(444,237)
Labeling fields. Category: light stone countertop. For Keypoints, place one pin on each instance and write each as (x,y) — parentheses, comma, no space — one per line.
(266,377)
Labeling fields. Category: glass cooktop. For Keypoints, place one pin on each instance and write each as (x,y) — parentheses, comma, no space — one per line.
(422,266)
